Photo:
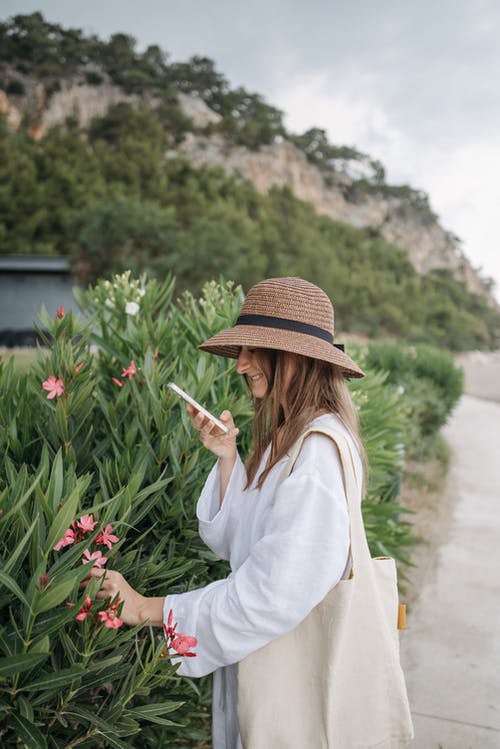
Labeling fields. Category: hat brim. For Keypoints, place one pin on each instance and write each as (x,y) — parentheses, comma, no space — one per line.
(228,343)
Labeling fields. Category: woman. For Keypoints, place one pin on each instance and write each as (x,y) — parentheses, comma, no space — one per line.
(287,541)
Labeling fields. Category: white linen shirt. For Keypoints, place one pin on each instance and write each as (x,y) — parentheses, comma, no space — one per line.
(287,544)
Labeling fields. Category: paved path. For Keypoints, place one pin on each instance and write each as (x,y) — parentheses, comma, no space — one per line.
(451,652)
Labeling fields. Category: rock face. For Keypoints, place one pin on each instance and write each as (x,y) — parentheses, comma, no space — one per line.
(74,99)
(427,244)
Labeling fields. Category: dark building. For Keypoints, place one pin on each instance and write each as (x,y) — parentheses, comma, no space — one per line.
(26,283)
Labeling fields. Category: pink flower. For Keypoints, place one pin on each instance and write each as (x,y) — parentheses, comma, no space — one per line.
(55,387)
(118,382)
(78,367)
(84,610)
(96,558)
(110,618)
(181,644)
(105,538)
(131,371)
(68,539)
(86,523)
(60,312)
(176,640)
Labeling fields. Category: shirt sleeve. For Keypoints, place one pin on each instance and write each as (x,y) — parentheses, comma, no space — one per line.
(300,556)
(216,523)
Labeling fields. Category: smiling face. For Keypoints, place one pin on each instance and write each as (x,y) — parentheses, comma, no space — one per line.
(259,368)
(253,368)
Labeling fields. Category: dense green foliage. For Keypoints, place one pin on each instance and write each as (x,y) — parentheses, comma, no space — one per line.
(430,382)
(122,450)
(114,202)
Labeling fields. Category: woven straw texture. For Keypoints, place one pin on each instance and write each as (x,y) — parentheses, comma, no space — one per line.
(289,299)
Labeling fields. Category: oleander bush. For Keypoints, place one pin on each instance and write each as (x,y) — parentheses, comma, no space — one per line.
(99,460)
(429,382)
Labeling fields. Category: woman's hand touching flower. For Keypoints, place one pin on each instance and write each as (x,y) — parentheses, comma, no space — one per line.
(137,609)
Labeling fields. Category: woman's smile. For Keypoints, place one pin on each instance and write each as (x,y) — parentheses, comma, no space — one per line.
(248,365)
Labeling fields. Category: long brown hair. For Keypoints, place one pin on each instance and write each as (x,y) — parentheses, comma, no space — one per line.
(292,401)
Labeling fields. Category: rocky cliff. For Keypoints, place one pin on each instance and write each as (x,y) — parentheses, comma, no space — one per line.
(427,243)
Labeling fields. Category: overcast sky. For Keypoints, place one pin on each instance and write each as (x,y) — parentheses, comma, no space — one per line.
(414,84)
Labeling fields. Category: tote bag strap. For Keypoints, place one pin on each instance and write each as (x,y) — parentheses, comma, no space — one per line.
(360,551)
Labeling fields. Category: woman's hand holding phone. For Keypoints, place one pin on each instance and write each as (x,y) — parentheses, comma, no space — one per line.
(220,444)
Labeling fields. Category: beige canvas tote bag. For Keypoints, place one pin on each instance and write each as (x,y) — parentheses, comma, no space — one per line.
(334,682)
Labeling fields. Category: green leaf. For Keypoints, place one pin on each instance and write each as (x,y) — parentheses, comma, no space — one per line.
(55,679)
(41,646)
(20,502)
(25,707)
(152,710)
(113,741)
(16,554)
(28,732)
(58,592)
(63,519)
(154,719)
(55,489)
(90,717)
(11,584)
(16,664)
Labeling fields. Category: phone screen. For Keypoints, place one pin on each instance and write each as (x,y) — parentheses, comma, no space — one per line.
(198,406)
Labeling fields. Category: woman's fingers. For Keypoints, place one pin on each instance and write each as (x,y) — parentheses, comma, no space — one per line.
(110,584)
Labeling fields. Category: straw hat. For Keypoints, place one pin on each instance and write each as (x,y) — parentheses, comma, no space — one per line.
(288,314)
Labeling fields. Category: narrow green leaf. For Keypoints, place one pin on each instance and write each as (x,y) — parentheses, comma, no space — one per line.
(25,707)
(113,741)
(59,591)
(63,519)
(153,719)
(16,554)
(41,646)
(19,503)
(28,732)
(55,489)
(16,664)
(55,679)
(90,717)
(11,584)
(154,709)
(56,594)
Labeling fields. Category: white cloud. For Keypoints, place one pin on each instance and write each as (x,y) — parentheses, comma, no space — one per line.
(460,178)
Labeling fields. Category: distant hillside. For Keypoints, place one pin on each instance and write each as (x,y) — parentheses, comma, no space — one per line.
(50,75)
(123,159)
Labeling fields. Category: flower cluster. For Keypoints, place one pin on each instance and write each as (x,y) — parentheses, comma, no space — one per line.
(79,530)
(109,617)
(176,640)
(123,289)
(128,372)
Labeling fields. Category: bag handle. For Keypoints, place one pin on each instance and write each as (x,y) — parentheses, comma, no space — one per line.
(360,552)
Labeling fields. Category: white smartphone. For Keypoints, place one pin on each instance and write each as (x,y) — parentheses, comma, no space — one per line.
(198,407)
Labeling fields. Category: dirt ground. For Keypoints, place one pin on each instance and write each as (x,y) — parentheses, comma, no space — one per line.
(428,492)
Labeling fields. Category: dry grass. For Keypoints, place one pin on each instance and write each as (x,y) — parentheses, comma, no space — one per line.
(424,492)
(23,357)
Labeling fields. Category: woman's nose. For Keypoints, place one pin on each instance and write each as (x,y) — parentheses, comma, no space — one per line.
(242,361)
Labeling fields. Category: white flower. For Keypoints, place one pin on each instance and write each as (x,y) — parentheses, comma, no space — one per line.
(131,308)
